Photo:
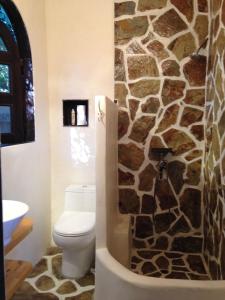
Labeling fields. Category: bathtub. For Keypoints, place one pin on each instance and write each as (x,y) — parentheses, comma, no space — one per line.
(114,280)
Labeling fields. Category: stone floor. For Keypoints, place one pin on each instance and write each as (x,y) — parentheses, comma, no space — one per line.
(47,283)
(172,265)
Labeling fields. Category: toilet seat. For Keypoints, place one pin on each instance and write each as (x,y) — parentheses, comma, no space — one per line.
(72,224)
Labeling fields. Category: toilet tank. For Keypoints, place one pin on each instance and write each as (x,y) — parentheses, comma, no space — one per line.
(80,198)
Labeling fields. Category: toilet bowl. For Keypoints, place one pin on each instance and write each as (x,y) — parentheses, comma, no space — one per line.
(74,231)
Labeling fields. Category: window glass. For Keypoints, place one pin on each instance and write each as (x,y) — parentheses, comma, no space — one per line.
(4,79)
(2,45)
(5,119)
(4,19)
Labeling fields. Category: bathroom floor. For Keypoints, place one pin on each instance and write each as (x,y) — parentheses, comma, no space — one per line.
(172,265)
(47,283)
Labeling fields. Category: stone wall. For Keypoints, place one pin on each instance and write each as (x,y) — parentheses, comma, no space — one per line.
(214,227)
(161,94)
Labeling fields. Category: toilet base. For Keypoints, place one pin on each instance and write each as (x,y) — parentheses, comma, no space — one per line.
(75,264)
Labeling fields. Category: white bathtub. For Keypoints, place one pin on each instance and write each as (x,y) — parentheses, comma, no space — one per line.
(115,282)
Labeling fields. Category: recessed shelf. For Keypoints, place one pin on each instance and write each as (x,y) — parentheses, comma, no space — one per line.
(75,113)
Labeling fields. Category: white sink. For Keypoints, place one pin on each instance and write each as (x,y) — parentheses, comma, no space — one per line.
(13,212)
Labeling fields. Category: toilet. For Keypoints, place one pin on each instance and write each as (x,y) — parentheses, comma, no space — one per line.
(74,231)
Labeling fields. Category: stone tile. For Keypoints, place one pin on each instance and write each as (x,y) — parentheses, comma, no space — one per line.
(150,37)
(84,296)
(40,268)
(138,244)
(170,68)
(185,7)
(221,124)
(45,283)
(135,48)
(169,118)
(135,259)
(123,123)
(187,244)
(148,267)
(129,202)
(179,141)
(146,178)
(143,88)
(144,5)
(223,13)
(131,156)
(195,71)
(66,288)
(165,195)
(193,276)
(151,106)
(124,8)
(178,262)
(195,97)
(181,226)
(193,155)
(172,90)
(121,93)
(88,279)
(125,178)
(176,275)
(198,132)
(133,107)
(173,255)
(176,171)
(194,172)
(161,243)
(162,263)
(158,50)
(163,221)
(191,206)
(169,24)
(148,205)
(156,274)
(127,29)
(203,5)
(196,264)
(183,46)
(56,266)
(142,66)
(147,254)
(191,115)
(27,292)
(144,227)
(141,128)
(201,27)
(119,66)
(53,251)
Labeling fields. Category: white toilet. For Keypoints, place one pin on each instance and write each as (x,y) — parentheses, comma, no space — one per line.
(74,231)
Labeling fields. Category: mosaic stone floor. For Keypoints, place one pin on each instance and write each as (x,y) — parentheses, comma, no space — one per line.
(172,265)
(47,283)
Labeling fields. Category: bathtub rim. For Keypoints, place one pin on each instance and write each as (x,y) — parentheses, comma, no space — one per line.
(105,258)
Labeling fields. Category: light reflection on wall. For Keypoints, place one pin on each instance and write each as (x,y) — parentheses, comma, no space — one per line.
(81,151)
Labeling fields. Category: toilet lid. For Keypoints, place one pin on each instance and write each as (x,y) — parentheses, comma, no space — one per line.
(75,223)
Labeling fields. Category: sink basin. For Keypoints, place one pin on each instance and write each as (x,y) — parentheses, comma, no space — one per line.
(13,212)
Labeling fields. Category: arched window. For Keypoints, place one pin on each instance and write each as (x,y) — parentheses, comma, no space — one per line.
(16,80)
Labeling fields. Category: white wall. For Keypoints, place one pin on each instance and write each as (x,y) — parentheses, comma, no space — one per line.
(26,168)
(80,66)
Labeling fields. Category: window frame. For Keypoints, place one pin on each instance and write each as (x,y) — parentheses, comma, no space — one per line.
(14,99)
